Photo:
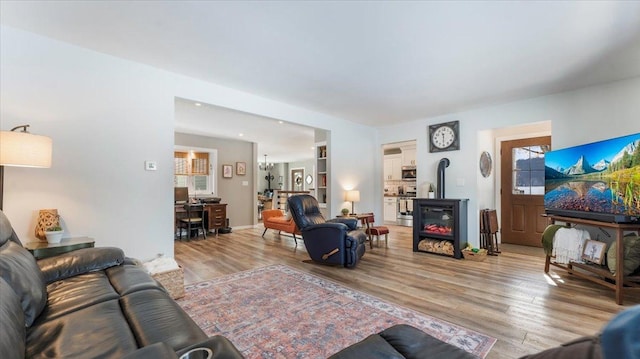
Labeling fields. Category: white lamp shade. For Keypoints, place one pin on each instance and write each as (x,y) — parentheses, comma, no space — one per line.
(353,196)
(22,149)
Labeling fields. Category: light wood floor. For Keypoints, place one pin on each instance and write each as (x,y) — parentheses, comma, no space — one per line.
(508,296)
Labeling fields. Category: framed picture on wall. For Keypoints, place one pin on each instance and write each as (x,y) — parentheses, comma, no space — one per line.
(227,171)
(241,168)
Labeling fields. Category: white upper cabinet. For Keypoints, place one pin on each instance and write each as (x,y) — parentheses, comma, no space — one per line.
(392,167)
(408,156)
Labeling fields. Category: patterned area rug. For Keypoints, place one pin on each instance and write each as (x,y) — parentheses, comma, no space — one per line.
(280,312)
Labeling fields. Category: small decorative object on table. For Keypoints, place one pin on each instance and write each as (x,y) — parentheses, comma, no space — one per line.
(54,234)
(46,218)
(345,211)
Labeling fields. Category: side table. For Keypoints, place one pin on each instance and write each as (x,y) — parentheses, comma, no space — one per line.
(45,249)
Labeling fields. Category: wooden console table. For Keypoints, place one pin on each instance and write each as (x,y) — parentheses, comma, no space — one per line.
(597,273)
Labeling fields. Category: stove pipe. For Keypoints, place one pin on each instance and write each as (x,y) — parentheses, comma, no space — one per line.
(444,163)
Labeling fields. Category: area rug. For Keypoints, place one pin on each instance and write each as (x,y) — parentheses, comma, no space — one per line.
(280,312)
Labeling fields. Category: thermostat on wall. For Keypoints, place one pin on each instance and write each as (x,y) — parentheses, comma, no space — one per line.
(150,165)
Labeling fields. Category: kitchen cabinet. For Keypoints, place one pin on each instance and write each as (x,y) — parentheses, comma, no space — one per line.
(390,209)
(392,167)
(409,156)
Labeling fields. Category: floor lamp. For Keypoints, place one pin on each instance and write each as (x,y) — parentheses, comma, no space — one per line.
(23,149)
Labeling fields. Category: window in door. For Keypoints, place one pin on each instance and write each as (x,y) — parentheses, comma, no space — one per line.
(528,170)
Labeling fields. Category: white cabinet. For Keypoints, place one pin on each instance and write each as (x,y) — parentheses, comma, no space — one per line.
(390,209)
(392,167)
(409,156)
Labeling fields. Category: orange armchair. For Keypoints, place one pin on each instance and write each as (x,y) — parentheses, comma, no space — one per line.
(275,219)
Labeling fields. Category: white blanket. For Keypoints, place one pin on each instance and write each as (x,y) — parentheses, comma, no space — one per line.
(160,265)
(568,244)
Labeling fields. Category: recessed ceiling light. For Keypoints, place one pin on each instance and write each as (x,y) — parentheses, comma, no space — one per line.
(198,104)
(241,134)
(281,122)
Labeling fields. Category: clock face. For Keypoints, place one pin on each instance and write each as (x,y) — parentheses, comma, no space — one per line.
(444,137)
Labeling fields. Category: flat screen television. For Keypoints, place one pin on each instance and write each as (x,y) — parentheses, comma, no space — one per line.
(599,180)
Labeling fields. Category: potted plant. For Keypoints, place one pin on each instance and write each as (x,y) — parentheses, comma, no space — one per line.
(54,234)
(345,211)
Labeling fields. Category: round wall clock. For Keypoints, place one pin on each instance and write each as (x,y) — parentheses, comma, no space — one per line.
(444,137)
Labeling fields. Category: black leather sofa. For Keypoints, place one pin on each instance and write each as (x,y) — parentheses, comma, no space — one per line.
(90,303)
(402,341)
(95,303)
(336,241)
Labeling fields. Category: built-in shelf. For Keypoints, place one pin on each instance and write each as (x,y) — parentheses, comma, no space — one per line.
(322,175)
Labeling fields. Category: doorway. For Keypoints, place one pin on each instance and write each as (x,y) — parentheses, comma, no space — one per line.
(297,179)
(522,190)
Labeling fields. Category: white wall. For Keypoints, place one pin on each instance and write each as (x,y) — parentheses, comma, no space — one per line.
(107,116)
(576,117)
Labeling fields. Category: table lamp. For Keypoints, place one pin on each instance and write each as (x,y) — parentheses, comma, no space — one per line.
(352,196)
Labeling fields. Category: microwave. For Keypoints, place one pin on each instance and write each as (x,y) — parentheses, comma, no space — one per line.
(409,173)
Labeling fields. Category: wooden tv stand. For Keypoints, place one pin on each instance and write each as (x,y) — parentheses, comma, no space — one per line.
(597,273)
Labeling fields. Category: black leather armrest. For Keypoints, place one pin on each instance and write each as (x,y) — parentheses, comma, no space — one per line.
(79,261)
(222,348)
(584,347)
(132,261)
(153,351)
(326,226)
(352,223)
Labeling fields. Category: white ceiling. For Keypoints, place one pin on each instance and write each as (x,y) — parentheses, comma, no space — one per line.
(370,62)
(281,141)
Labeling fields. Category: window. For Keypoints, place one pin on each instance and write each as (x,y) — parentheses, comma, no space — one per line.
(528,170)
(194,170)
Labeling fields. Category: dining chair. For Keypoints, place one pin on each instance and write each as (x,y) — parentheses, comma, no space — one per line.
(371,229)
(194,220)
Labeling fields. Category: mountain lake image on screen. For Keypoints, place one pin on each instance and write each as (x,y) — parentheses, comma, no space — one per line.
(599,180)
